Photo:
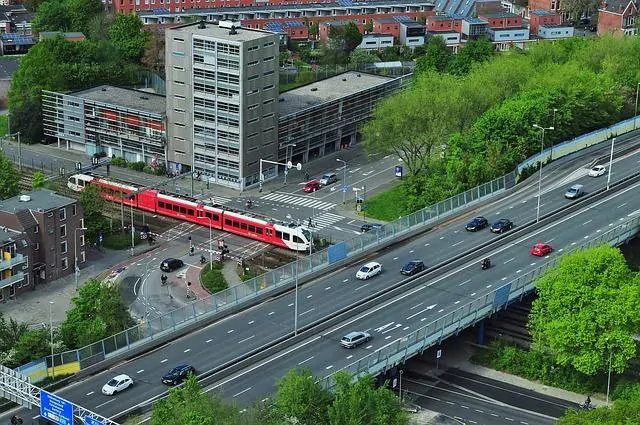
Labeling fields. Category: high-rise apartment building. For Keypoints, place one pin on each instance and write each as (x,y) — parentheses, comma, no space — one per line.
(221,90)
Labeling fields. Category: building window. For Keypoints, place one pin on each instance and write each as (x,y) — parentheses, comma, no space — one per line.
(36,229)
(82,257)
(63,230)
(82,222)
(81,240)
(37,246)
(12,290)
(64,263)
(63,247)
(63,214)
(74,209)
(252,63)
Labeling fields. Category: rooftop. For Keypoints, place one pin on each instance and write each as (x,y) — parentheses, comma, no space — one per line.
(126,98)
(338,23)
(413,24)
(475,21)
(208,29)
(567,25)
(40,200)
(444,18)
(377,35)
(500,15)
(542,12)
(327,90)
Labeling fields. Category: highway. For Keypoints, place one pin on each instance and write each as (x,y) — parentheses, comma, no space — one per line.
(435,295)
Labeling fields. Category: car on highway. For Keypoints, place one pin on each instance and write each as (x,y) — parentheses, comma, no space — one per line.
(171,264)
(575,191)
(367,227)
(311,186)
(369,270)
(353,339)
(178,374)
(501,225)
(117,384)
(597,171)
(328,178)
(478,223)
(541,249)
(412,267)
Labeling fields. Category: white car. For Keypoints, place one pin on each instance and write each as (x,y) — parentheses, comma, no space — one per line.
(369,270)
(117,384)
(597,171)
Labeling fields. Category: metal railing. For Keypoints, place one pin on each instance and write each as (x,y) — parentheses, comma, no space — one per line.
(469,314)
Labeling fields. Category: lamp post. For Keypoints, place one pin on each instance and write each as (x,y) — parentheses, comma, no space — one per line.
(261,180)
(540,173)
(53,364)
(295,305)
(613,142)
(75,253)
(554,126)
(609,375)
(20,148)
(400,389)
(146,304)
(210,246)
(635,114)
(286,160)
(133,232)
(344,179)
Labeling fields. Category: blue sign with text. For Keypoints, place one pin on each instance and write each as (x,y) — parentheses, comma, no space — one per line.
(55,409)
(88,420)
(345,188)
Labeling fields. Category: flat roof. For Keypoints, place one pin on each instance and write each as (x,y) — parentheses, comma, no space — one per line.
(333,88)
(500,15)
(555,26)
(126,98)
(413,24)
(208,29)
(41,199)
(475,21)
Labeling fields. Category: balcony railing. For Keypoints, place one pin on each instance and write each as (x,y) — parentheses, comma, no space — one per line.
(11,280)
(5,264)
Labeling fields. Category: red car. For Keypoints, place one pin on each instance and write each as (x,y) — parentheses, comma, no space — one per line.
(541,249)
(311,186)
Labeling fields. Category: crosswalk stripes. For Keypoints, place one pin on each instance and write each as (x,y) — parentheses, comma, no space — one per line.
(298,200)
(326,219)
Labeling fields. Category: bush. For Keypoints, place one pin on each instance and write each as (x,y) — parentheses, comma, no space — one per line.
(118,162)
(213,280)
(137,166)
(148,169)
(120,240)
(626,390)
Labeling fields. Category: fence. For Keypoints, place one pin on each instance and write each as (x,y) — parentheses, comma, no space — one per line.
(467,315)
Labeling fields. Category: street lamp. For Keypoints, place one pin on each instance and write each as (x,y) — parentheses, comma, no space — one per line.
(609,375)
(210,246)
(286,160)
(133,232)
(75,253)
(295,308)
(53,364)
(636,110)
(344,179)
(554,126)
(613,142)
(20,148)
(400,386)
(146,303)
(540,173)
(261,180)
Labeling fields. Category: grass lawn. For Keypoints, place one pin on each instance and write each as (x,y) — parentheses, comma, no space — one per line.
(387,206)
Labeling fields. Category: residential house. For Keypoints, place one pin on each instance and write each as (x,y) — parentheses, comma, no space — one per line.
(617,17)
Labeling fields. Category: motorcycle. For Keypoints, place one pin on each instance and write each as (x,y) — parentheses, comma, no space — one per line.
(485,264)
(248,204)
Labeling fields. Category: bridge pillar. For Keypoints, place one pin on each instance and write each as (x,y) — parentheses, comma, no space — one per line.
(480,332)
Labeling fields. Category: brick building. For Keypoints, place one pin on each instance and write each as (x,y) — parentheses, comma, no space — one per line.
(617,17)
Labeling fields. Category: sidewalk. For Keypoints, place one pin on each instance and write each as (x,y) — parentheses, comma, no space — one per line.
(33,307)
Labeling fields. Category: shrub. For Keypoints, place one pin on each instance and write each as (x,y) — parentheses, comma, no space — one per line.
(120,240)
(137,166)
(148,169)
(118,162)
(213,280)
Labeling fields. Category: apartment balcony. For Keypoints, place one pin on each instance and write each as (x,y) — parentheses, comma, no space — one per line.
(18,259)
(11,280)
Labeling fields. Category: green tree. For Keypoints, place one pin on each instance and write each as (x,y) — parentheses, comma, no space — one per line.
(127,35)
(361,403)
(9,179)
(368,27)
(474,51)
(153,57)
(38,180)
(314,29)
(437,56)
(81,12)
(588,309)
(33,344)
(352,37)
(10,332)
(93,205)
(360,57)
(32,5)
(52,15)
(300,396)
(97,312)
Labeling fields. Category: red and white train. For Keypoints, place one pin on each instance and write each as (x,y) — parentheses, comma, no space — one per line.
(185,208)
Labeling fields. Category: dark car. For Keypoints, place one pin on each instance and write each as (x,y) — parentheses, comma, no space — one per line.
(412,267)
(478,223)
(367,227)
(171,264)
(178,374)
(99,155)
(501,225)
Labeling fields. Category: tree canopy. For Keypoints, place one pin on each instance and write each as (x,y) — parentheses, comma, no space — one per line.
(9,179)
(65,15)
(127,35)
(588,308)
(93,205)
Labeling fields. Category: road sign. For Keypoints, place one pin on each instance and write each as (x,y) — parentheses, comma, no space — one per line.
(100,237)
(55,409)
(438,354)
(345,188)
(399,171)
(88,420)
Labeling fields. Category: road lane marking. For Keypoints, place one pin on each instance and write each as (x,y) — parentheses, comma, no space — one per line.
(246,339)
(105,403)
(509,260)
(252,322)
(90,393)
(381,328)
(620,206)
(391,329)
(466,281)
(346,280)
(306,360)
(587,222)
(230,331)
(431,307)
(457,243)
(349,356)
(309,296)
(416,306)
(271,313)
(290,305)
(140,371)
(412,251)
(305,312)
(327,288)
(242,392)
(187,350)
(360,287)
(164,360)
(395,258)
(328,367)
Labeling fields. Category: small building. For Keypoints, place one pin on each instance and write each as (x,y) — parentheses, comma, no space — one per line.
(412,33)
(390,25)
(15,44)
(617,17)
(549,6)
(474,28)
(444,23)
(539,17)
(502,20)
(555,32)
(376,41)
(69,36)
(450,38)
(501,35)
(43,234)
(519,7)
(295,30)
(118,121)
(487,7)
(15,19)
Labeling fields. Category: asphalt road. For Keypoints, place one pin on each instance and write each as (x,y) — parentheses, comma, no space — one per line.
(433,297)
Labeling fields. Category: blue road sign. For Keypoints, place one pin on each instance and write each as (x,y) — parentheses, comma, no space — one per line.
(55,409)
(88,420)
(345,188)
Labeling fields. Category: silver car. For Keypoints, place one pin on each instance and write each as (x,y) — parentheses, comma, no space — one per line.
(353,339)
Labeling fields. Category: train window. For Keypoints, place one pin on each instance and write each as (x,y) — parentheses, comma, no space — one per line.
(227,222)
(161,204)
(259,230)
(190,212)
(286,236)
(252,228)
(208,214)
(183,210)
(216,217)
(297,239)
(243,226)
(236,224)
(175,208)
(278,234)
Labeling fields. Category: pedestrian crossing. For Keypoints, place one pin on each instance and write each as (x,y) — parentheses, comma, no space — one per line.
(216,200)
(325,219)
(301,201)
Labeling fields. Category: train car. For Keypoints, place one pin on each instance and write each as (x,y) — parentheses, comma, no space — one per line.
(245,224)
(78,182)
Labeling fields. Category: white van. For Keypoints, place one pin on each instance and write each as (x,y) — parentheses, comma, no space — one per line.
(574,191)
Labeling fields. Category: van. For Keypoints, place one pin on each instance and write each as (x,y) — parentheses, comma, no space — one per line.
(574,191)
(328,178)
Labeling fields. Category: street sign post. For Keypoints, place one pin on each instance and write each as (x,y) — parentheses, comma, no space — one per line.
(345,188)
(55,409)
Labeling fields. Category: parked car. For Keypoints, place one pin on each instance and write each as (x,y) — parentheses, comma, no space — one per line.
(117,384)
(501,225)
(541,249)
(367,227)
(597,171)
(412,267)
(478,223)
(353,339)
(311,186)
(178,374)
(171,264)
(369,270)
(328,178)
